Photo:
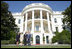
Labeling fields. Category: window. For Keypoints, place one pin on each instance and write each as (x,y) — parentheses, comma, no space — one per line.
(55,20)
(47,41)
(44,15)
(19,21)
(56,29)
(46,28)
(63,28)
(37,14)
(29,15)
(37,28)
(51,26)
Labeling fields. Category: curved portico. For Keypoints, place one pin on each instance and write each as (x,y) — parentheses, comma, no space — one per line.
(37,16)
(38,20)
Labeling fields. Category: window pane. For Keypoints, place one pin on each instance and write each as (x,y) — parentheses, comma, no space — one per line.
(37,28)
(55,20)
(56,29)
(19,21)
(36,14)
(44,15)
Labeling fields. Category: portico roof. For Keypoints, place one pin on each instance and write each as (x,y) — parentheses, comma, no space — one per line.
(37,5)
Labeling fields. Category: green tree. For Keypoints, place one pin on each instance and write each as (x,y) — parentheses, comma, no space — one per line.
(7,22)
(56,37)
(62,38)
(67,16)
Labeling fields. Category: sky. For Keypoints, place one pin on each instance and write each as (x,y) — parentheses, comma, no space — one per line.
(17,6)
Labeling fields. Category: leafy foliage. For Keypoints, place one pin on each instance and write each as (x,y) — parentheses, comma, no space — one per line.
(62,38)
(67,16)
(65,36)
(7,22)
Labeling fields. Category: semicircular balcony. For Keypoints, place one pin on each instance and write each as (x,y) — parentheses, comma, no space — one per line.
(37,26)
(36,15)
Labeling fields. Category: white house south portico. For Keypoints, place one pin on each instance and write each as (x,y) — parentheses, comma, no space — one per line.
(38,19)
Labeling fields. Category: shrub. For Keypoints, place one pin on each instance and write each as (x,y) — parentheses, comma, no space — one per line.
(4,41)
(62,38)
(54,39)
(65,37)
(12,41)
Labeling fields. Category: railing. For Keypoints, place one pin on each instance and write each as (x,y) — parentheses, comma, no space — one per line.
(37,31)
(35,19)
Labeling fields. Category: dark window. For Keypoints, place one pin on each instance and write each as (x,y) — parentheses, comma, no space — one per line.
(63,28)
(37,14)
(47,39)
(55,20)
(37,39)
(19,21)
(56,29)
(51,26)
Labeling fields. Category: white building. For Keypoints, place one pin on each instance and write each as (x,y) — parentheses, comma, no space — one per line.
(41,21)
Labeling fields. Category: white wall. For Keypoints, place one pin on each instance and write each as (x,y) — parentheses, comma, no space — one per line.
(59,22)
(56,15)
(17,17)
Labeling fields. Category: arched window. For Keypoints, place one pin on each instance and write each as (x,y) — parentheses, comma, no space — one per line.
(37,39)
(47,39)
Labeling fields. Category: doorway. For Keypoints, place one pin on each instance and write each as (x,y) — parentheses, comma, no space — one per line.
(37,39)
(47,41)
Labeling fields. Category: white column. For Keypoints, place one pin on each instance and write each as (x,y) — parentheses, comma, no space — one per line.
(23,22)
(32,22)
(42,30)
(26,21)
(52,23)
(41,39)
(34,39)
(32,31)
(23,25)
(21,31)
(48,22)
(45,39)
(22,19)
(50,40)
